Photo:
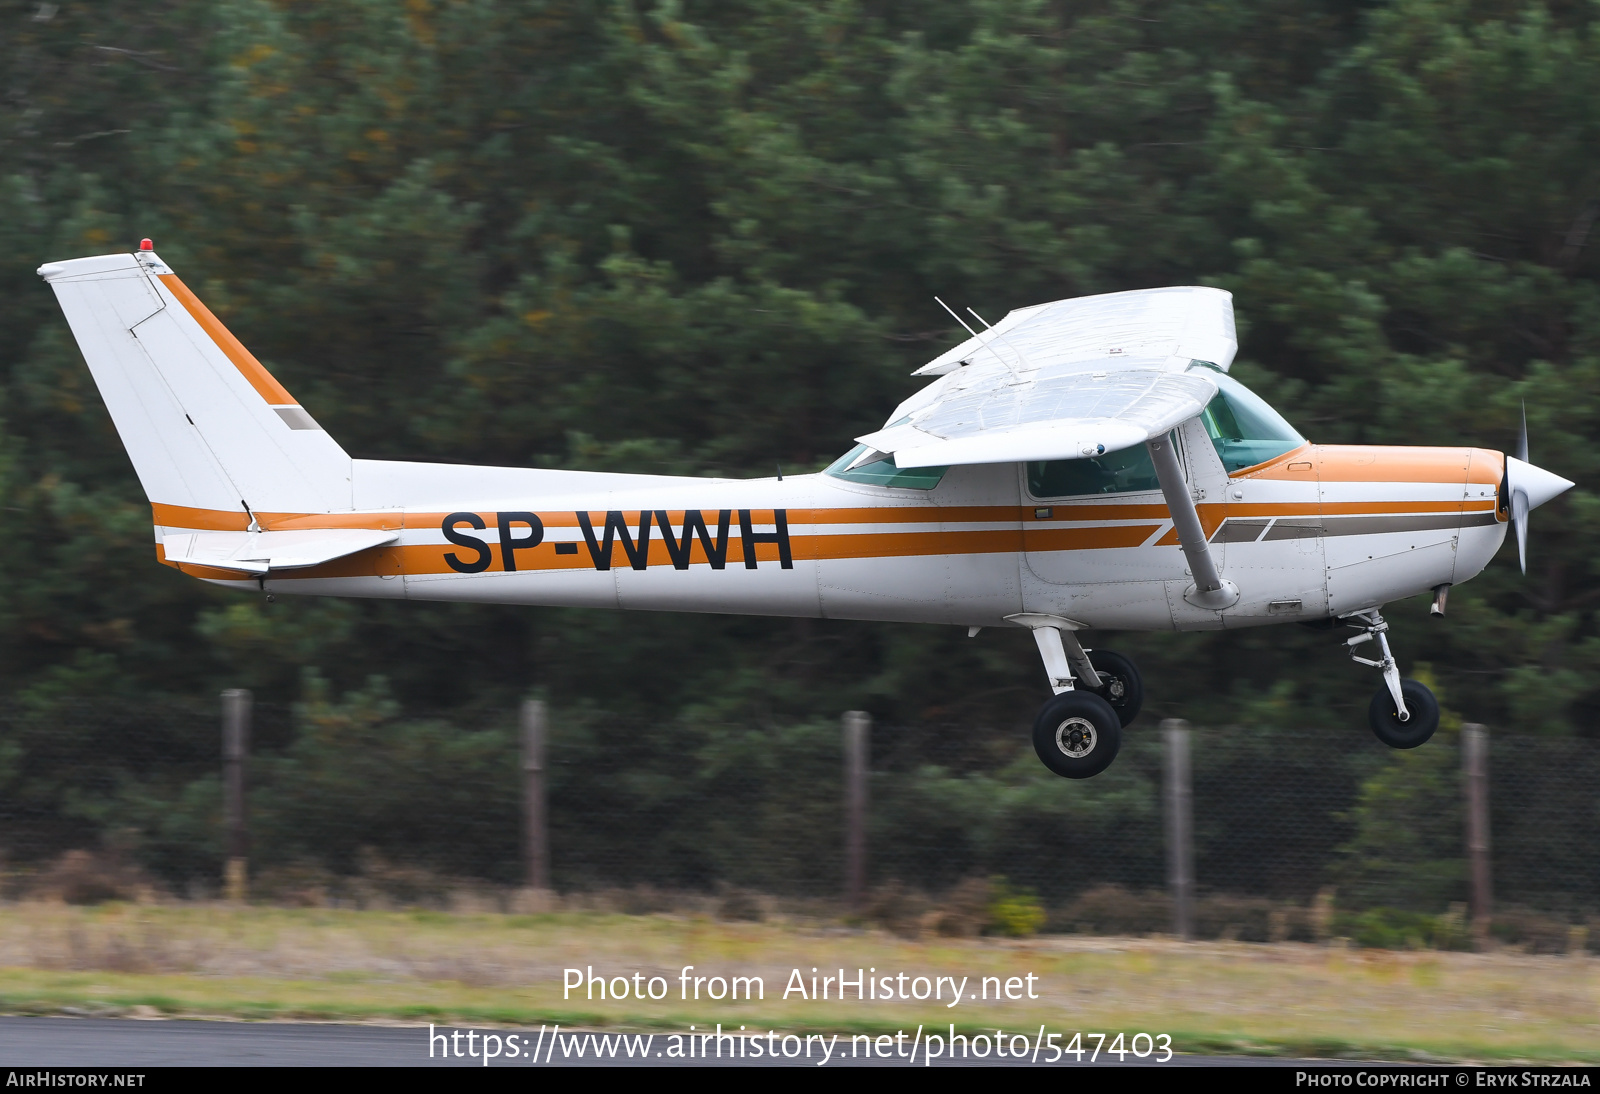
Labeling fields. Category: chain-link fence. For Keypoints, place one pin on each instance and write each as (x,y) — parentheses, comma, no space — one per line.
(1294,834)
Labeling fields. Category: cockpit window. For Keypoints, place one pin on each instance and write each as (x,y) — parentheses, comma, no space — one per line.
(1114,473)
(1244,430)
(883,472)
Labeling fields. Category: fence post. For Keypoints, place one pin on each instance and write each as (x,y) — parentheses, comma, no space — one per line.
(235,747)
(536,838)
(1179,809)
(1475,788)
(857,730)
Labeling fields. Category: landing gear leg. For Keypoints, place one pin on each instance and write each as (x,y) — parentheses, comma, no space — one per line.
(1404,713)
(1109,675)
(1372,627)
(1077,733)
(1058,646)
(1054,654)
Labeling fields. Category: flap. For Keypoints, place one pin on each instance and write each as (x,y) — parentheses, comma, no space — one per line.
(260,552)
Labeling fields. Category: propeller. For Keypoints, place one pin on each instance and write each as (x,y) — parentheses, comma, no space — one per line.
(1529,487)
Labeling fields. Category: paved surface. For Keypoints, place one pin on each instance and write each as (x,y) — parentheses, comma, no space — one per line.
(126,1043)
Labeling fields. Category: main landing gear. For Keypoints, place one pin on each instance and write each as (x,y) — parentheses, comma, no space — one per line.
(1403,713)
(1079,731)
(1077,734)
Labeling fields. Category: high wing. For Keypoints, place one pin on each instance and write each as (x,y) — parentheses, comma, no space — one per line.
(1066,380)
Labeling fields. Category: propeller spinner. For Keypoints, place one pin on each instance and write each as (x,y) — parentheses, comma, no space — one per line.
(1528,488)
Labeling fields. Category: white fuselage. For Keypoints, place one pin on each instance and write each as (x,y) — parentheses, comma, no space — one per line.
(1320,531)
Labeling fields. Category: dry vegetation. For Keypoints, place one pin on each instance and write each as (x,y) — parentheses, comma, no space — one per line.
(490,967)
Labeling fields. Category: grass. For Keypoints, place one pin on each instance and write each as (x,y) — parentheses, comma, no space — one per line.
(490,969)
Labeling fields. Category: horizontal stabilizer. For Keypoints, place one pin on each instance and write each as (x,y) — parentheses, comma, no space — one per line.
(262,552)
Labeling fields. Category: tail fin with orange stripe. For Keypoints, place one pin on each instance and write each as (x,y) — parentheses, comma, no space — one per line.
(205,424)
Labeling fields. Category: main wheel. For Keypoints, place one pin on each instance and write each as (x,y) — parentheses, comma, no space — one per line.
(1077,734)
(1422,707)
(1120,684)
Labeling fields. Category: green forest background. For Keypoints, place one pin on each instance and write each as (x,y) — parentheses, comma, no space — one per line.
(704,238)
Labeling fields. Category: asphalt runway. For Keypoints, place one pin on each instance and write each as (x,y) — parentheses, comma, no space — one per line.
(131,1043)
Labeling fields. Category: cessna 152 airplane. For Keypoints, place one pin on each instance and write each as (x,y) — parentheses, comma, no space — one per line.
(1086,463)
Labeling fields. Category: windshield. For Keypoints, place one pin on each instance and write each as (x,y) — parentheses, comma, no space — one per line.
(1244,430)
(883,472)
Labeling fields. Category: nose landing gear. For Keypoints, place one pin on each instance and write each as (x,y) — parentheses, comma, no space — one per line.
(1404,713)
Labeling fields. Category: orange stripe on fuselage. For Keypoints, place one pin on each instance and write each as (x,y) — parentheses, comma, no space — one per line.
(1075,525)
(222,520)
(1211,515)
(254,371)
(887,514)
(1211,518)
(204,520)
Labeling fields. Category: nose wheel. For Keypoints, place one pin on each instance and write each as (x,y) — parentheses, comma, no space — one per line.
(1422,719)
(1404,713)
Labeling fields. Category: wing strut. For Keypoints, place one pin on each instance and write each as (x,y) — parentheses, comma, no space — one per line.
(1210,588)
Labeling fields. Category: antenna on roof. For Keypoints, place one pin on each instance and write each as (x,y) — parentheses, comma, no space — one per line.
(986,324)
(979,338)
(957,318)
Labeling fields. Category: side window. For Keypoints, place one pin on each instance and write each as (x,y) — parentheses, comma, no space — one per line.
(1114,473)
(883,472)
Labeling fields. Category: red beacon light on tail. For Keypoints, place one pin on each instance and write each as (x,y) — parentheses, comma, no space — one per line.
(146,245)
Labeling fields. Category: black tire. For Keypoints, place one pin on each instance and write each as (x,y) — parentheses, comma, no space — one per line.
(1120,684)
(1077,734)
(1385,717)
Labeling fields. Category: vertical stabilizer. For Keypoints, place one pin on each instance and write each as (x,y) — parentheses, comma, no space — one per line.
(205,424)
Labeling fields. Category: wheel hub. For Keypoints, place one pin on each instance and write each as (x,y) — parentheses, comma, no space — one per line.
(1076,737)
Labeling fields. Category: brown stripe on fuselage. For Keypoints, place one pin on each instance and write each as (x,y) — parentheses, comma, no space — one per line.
(1240,531)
